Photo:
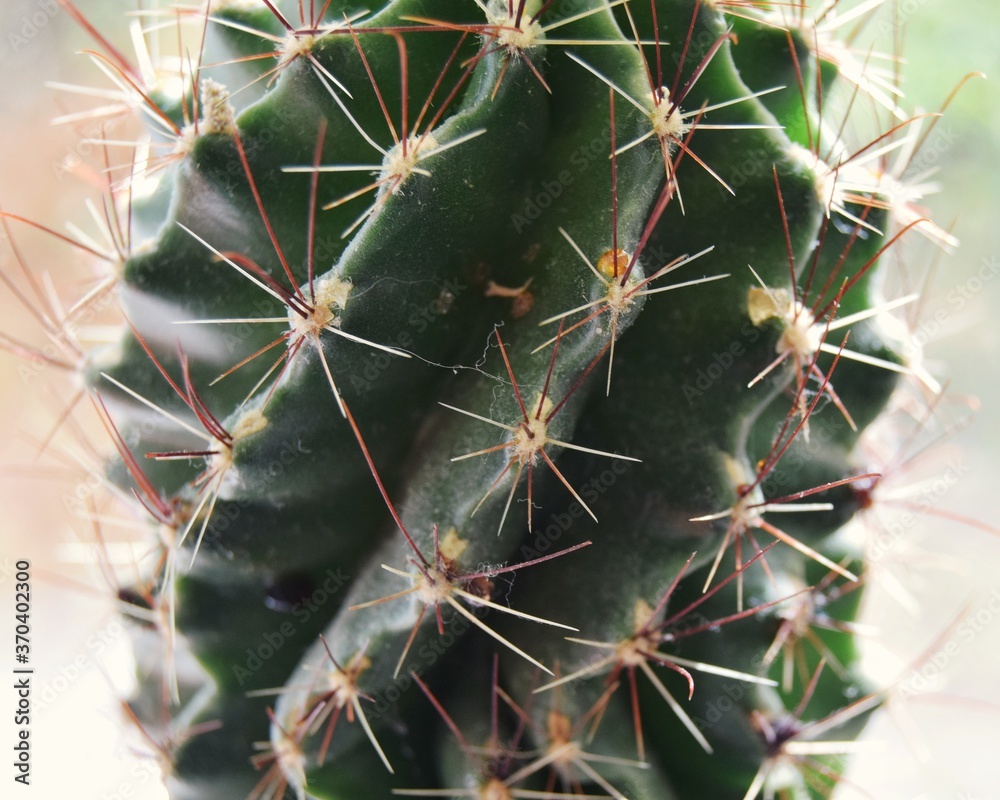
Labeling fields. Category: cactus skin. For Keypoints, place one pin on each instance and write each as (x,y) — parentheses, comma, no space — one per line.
(283,526)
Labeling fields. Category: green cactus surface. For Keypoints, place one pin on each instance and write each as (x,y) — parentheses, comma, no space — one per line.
(490,386)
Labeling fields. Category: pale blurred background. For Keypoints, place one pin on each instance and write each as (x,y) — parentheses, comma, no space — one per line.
(940,745)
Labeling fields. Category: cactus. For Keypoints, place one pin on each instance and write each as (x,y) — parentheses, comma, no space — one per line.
(491,383)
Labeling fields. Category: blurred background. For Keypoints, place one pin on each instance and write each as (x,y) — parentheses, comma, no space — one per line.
(937,741)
